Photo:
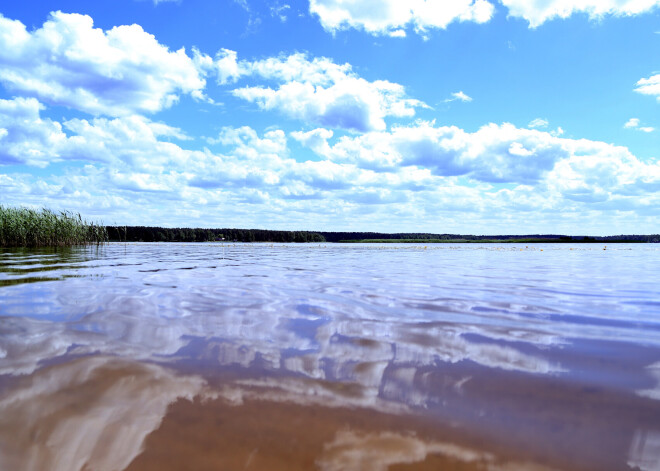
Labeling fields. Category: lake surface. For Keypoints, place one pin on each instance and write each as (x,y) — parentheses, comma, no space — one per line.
(330,357)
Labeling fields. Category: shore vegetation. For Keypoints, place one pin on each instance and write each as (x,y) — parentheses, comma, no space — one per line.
(183,234)
(26,227)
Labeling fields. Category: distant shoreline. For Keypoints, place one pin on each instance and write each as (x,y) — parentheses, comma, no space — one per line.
(24,227)
(163,234)
(528,240)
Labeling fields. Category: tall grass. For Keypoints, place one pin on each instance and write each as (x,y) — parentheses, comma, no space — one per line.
(24,227)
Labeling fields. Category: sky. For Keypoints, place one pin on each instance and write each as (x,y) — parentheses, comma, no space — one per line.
(461,116)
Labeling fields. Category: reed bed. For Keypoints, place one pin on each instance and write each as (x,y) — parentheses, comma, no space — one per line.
(25,227)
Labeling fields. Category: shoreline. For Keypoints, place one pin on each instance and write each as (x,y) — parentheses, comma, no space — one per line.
(166,234)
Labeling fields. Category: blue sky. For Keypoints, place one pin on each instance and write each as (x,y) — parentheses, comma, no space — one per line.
(470,116)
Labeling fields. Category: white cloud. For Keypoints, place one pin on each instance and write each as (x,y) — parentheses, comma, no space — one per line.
(537,12)
(33,140)
(557,132)
(538,123)
(117,72)
(339,107)
(649,86)
(557,169)
(322,92)
(297,67)
(280,11)
(382,179)
(247,145)
(317,139)
(634,123)
(318,90)
(224,66)
(631,123)
(26,138)
(597,172)
(459,96)
(390,17)
(492,154)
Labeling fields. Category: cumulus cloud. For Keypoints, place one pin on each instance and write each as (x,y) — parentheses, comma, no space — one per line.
(391,17)
(547,169)
(224,66)
(537,12)
(495,153)
(297,67)
(26,138)
(117,72)
(631,123)
(317,91)
(649,86)
(247,145)
(317,139)
(134,140)
(634,123)
(596,172)
(322,92)
(378,177)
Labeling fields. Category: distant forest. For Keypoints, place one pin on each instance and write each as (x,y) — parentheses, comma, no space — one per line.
(162,234)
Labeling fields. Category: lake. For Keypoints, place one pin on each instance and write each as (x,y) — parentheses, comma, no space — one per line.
(331,357)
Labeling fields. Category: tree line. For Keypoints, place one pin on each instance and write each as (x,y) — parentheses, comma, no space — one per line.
(185,234)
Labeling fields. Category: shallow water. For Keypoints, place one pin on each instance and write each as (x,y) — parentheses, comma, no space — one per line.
(331,356)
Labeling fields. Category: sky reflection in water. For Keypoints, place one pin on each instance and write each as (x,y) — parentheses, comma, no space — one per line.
(484,338)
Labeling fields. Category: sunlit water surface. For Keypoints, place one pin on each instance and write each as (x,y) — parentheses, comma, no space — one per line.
(330,357)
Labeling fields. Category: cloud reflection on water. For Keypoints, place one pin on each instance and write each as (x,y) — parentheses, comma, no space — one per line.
(337,348)
(91,413)
(377,452)
(324,328)
(645,450)
(355,451)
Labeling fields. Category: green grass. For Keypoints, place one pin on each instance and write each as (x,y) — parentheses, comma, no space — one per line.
(24,227)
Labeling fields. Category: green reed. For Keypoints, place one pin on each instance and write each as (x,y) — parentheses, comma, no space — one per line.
(25,227)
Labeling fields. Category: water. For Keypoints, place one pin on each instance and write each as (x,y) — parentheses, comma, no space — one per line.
(331,356)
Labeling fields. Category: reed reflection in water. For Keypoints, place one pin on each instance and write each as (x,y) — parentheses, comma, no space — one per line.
(148,356)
